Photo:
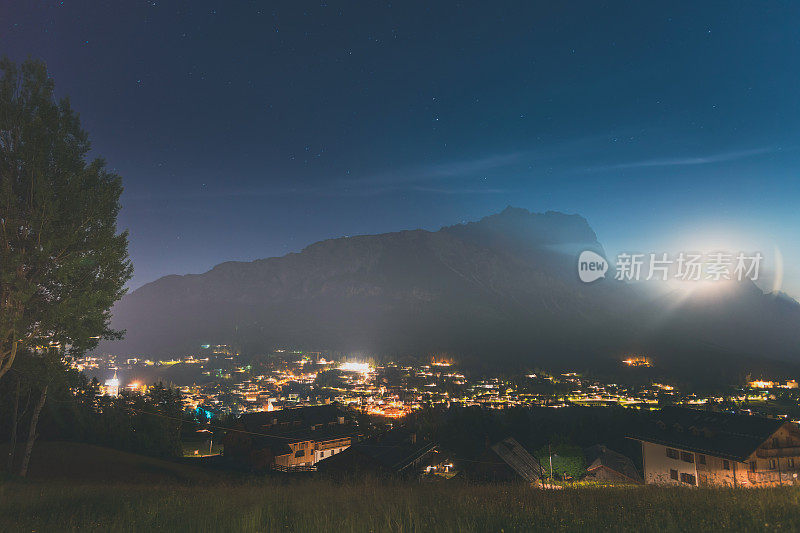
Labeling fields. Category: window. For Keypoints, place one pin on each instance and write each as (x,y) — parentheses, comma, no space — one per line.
(726,465)
(790,462)
(775,442)
(687,457)
(772,464)
(299,453)
(672,454)
(753,466)
(701,459)
(673,474)
(688,478)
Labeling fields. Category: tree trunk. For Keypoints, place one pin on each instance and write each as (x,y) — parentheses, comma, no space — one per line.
(26,457)
(7,359)
(14,422)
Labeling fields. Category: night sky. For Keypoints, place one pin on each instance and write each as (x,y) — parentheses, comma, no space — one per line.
(246,130)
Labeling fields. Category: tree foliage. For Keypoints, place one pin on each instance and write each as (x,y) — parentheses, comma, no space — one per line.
(148,423)
(567,460)
(62,261)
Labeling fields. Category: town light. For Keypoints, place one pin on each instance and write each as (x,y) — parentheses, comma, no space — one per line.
(362,368)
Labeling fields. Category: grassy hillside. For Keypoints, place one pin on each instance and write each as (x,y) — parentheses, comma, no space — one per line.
(157,495)
(313,505)
(83,463)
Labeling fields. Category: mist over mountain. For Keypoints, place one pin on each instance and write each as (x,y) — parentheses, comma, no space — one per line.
(502,289)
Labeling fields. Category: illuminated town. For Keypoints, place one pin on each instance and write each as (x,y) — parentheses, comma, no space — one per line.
(221,385)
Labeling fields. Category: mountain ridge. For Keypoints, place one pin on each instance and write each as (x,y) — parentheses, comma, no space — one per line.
(502,287)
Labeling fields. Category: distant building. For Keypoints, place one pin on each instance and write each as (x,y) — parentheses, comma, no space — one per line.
(761,384)
(703,448)
(111,387)
(637,360)
(506,461)
(289,439)
(608,466)
(396,452)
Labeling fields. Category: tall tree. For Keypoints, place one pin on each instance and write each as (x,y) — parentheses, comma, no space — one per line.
(62,262)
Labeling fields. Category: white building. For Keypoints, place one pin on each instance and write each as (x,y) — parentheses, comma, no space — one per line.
(703,448)
(111,387)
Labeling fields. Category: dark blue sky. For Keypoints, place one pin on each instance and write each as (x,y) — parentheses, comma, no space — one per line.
(246,130)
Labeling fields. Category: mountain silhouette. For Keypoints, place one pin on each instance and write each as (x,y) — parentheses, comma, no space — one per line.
(501,289)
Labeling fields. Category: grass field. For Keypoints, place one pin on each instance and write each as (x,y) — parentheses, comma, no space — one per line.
(193,499)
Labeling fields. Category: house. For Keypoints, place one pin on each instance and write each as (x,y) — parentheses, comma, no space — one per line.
(703,448)
(396,452)
(289,439)
(608,466)
(506,461)
(440,464)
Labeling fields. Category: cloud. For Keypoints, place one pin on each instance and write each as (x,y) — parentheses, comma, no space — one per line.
(687,161)
(453,177)
(438,171)
(442,190)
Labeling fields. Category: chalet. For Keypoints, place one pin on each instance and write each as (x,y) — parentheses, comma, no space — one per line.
(607,466)
(703,448)
(441,464)
(289,439)
(396,452)
(506,461)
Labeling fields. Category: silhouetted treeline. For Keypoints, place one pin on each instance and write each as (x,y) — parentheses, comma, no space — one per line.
(148,423)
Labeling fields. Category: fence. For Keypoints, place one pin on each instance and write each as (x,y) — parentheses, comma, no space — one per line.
(294,468)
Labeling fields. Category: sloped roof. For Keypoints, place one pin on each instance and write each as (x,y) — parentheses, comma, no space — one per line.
(599,456)
(307,416)
(723,435)
(278,446)
(266,434)
(281,440)
(394,450)
(518,458)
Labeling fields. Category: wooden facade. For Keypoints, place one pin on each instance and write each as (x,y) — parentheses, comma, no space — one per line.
(289,439)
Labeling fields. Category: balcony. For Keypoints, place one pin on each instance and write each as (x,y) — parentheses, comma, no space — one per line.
(790,451)
(773,477)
